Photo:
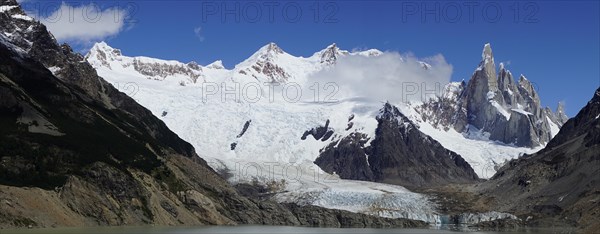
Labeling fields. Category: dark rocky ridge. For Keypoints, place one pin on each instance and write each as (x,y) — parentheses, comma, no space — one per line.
(82,76)
(399,154)
(560,183)
(98,166)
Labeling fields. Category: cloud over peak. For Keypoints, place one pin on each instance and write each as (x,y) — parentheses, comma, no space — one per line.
(388,77)
(84,23)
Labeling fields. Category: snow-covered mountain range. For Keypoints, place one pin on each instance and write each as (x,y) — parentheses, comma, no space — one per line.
(176,92)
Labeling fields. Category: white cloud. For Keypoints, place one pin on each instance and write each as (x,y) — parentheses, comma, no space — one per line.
(84,23)
(198,33)
(388,77)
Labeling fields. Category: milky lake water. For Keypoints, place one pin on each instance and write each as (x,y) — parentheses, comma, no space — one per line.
(253,229)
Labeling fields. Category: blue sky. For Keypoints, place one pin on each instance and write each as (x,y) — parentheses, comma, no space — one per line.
(555,44)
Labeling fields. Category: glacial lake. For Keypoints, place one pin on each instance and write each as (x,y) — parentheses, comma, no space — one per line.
(257,230)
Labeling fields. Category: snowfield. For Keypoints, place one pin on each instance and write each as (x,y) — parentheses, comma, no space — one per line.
(271,148)
(484,155)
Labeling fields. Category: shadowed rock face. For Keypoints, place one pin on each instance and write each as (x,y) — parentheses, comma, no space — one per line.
(94,164)
(399,154)
(34,38)
(493,102)
(348,159)
(562,181)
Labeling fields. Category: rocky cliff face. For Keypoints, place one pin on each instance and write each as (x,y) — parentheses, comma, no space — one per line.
(399,154)
(77,152)
(492,101)
(560,183)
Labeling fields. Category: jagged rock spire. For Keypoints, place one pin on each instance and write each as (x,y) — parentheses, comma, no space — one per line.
(495,103)
(488,66)
(560,113)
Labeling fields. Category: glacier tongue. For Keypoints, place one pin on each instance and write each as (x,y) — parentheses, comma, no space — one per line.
(364,197)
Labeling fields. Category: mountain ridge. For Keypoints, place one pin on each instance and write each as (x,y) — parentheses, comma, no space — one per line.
(263,65)
(293,71)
